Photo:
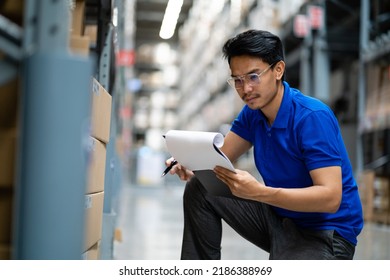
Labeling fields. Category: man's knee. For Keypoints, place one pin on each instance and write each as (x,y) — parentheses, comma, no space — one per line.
(194,191)
(192,187)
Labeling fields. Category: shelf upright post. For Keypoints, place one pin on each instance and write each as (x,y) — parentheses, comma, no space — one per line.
(109,216)
(364,39)
(321,60)
(54,124)
(305,65)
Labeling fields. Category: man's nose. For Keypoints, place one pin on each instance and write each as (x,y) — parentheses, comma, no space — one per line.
(247,86)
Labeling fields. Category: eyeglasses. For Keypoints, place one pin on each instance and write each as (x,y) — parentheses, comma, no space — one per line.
(251,78)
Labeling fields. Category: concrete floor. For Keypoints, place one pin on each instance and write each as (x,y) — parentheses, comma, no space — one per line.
(150,220)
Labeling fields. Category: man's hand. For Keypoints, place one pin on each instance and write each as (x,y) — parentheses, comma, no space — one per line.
(241,184)
(183,173)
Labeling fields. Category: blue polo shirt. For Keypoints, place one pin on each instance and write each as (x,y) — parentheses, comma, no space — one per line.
(304,136)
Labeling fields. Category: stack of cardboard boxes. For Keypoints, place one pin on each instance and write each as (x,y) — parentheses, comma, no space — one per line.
(375,197)
(9,94)
(83,34)
(8,141)
(94,196)
(366,192)
(381,201)
(81,38)
(375,184)
(78,42)
(377,114)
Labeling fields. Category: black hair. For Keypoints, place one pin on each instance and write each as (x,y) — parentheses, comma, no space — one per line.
(258,43)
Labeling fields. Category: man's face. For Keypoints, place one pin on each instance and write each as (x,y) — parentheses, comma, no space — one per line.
(254,80)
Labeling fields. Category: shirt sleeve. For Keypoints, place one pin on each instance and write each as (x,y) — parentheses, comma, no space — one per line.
(242,126)
(320,139)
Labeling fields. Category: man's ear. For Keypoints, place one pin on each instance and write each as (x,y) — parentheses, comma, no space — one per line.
(279,69)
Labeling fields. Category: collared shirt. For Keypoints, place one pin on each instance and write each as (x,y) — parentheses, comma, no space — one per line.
(304,136)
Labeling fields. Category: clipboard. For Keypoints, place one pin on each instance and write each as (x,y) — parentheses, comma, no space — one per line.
(200,152)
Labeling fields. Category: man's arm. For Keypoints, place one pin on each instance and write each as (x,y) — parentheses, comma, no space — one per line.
(234,146)
(323,196)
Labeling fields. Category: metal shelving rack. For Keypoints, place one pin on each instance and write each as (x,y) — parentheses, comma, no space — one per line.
(101,14)
(50,176)
(371,49)
(48,216)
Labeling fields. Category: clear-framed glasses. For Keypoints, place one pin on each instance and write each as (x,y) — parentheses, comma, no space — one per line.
(252,79)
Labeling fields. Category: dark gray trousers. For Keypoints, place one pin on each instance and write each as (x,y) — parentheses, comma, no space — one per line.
(256,222)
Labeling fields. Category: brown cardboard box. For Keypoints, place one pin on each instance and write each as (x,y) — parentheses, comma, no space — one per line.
(101,112)
(380,217)
(92,253)
(366,191)
(12,9)
(381,203)
(96,166)
(7,157)
(375,196)
(381,186)
(77,26)
(91,32)
(8,103)
(93,219)
(79,45)
(6,202)
(5,251)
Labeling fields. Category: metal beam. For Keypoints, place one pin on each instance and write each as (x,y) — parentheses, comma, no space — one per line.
(364,39)
(52,159)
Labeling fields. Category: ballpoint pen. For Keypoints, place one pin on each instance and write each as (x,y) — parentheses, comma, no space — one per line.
(173,163)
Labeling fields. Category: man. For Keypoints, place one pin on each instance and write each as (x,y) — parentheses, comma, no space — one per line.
(308,206)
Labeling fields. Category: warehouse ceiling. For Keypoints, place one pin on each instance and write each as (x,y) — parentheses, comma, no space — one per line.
(149,15)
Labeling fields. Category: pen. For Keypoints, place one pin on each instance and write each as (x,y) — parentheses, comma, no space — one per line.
(173,163)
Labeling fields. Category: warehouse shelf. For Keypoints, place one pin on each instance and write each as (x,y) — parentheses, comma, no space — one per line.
(11,35)
(49,188)
(378,48)
(373,115)
(11,38)
(40,58)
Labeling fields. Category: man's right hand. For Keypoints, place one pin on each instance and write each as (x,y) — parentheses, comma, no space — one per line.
(183,173)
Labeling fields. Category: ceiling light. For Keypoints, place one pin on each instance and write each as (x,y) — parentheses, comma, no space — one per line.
(171,17)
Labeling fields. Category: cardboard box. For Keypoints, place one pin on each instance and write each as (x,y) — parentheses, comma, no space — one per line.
(101,112)
(91,31)
(96,166)
(5,251)
(92,253)
(375,196)
(79,45)
(7,157)
(380,217)
(13,9)
(381,204)
(9,93)
(93,219)
(77,25)
(381,186)
(366,191)
(6,203)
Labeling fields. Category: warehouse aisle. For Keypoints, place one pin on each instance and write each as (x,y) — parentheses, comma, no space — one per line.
(150,220)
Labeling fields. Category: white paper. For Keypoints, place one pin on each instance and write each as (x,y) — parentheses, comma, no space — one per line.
(197,150)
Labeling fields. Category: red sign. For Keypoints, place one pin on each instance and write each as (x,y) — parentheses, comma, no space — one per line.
(301,26)
(125,58)
(316,15)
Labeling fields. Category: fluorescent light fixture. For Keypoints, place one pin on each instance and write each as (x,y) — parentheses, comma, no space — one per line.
(115,16)
(171,16)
